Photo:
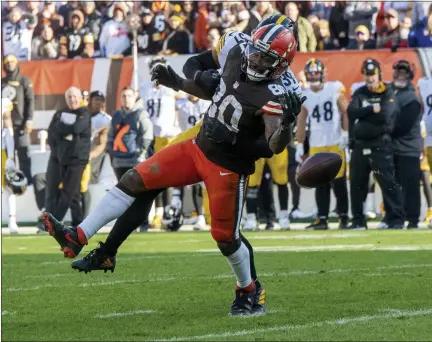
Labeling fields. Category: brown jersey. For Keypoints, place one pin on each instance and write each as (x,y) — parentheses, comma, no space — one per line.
(237,108)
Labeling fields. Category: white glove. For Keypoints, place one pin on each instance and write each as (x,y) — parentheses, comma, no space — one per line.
(10,164)
(343,144)
(176,202)
(299,153)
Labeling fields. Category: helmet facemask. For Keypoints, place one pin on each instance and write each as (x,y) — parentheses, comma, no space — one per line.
(262,65)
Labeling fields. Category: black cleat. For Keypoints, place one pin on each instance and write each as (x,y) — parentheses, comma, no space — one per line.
(343,222)
(243,303)
(260,300)
(357,225)
(96,260)
(318,224)
(71,240)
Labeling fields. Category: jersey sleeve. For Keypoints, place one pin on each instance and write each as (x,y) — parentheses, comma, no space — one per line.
(272,108)
(228,41)
(339,87)
(290,83)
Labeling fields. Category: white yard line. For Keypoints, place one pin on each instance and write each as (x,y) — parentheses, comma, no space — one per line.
(122,314)
(305,236)
(219,276)
(288,327)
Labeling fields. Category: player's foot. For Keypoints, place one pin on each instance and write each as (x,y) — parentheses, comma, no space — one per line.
(156,222)
(260,300)
(357,224)
(284,221)
(71,240)
(243,303)
(251,223)
(343,222)
(382,225)
(318,224)
(13,227)
(269,225)
(200,224)
(428,218)
(371,215)
(412,225)
(297,214)
(97,260)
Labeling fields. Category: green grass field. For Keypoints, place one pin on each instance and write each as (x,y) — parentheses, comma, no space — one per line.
(364,285)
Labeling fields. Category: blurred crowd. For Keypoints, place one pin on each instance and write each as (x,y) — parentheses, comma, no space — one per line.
(88,29)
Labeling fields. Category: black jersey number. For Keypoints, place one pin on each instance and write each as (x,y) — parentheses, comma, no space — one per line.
(153,108)
(327,113)
(223,106)
(429,103)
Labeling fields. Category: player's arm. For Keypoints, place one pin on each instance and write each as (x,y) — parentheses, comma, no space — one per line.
(278,135)
(204,61)
(355,109)
(343,108)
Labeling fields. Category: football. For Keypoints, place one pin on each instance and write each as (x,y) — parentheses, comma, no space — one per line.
(318,169)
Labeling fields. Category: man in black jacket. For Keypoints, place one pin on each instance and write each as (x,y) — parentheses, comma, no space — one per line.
(19,89)
(69,136)
(407,140)
(371,113)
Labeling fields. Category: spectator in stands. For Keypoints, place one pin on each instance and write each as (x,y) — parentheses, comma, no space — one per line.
(189,13)
(361,13)
(33,8)
(89,50)
(324,40)
(73,39)
(411,9)
(49,17)
(179,40)
(307,39)
(114,38)
(213,37)
(322,9)
(421,35)
(19,89)
(261,11)
(201,28)
(46,45)
(362,41)
(392,35)
(338,24)
(92,20)
(65,10)
(241,15)
(17,34)
(129,147)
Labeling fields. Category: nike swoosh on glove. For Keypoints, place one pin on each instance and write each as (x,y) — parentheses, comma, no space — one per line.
(291,106)
(166,76)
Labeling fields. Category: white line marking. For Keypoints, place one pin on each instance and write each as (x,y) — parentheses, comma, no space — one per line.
(219,276)
(47,276)
(305,236)
(323,248)
(6,313)
(335,322)
(130,313)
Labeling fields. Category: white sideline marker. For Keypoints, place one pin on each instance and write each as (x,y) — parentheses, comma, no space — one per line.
(129,313)
(392,313)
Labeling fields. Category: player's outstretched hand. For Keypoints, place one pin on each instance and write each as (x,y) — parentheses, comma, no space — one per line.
(209,80)
(165,75)
(291,105)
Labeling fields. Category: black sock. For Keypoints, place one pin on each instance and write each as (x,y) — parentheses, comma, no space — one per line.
(283,196)
(340,190)
(322,197)
(252,261)
(252,200)
(131,219)
(197,198)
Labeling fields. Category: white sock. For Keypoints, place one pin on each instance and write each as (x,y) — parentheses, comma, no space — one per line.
(12,205)
(251,216)
(240,264)
(112,206)
(159,211)
(370,200)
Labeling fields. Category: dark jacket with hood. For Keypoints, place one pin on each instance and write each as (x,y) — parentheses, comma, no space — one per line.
(366,128)
(407,140)
(19,89)
(73,38)
(70,141)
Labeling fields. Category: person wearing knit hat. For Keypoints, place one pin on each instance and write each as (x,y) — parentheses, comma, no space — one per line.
(362,40)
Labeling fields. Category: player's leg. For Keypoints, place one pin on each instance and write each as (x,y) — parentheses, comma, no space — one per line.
(340,190)
(154,173)
(104,257)
(197,198)
(9,197)
(252,196)
(279,168)
(322,198)
(427,191)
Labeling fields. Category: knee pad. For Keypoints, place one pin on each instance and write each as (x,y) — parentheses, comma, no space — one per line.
(252,193)
(131,183)
(228,248)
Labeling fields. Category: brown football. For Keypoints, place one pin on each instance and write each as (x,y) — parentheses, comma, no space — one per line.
(319,169)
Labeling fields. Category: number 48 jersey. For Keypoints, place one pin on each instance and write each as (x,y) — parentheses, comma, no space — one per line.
(425,89)
(324,119)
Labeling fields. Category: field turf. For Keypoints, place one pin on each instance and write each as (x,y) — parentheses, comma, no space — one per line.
(363,285)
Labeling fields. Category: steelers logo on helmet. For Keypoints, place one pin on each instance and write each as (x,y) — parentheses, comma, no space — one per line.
(283,20)
(269,53)
(314,72)
(156,61)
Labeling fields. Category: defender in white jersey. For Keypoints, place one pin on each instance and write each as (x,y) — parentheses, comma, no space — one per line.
(160,103)
(424,85)
(7,160)
(325,110)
